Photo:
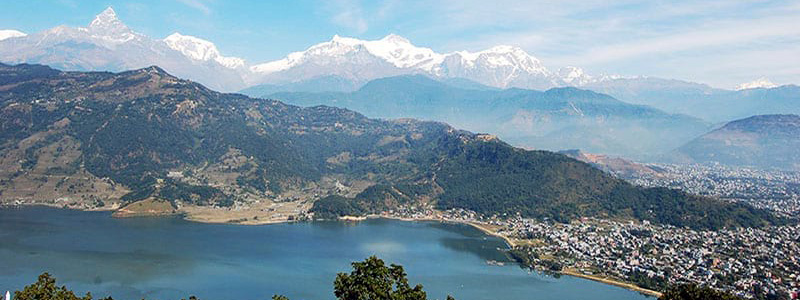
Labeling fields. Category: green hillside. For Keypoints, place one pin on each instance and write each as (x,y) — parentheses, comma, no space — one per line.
(154,135)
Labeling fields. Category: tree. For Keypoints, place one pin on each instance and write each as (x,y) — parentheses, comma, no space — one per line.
(373,280)
(46,289)
(695,292)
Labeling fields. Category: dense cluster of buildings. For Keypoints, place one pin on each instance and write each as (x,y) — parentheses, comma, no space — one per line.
(775,190)
(749,262)
(752,263)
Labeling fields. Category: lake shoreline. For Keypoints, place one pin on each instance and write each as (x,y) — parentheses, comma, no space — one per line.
(484,228)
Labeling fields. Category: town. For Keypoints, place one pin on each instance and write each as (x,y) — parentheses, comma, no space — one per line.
(751,263)
(775,190)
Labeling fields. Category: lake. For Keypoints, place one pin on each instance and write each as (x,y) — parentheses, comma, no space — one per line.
(170,258)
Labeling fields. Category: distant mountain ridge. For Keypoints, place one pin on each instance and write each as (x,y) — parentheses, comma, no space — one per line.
(763,141)
(105,138)
(703,101)
(557,119)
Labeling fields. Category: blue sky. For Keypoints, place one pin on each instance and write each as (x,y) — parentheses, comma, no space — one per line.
(720,42)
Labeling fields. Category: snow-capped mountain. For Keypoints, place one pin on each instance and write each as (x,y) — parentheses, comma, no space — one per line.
(10,33)
(575,76)
(107,44)
(353,59)
(361,61)
(762,82)
(107,28)
(201,50)
(499,66)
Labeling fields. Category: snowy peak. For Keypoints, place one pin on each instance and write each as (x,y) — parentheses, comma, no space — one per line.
(395,39)
(108,28)
(395,49)
(401,53)
(107,22)
(504,56)
(193,47)
(392,48)
(108,16)
(10,33)
(574,76)
(762,82)
(200,50)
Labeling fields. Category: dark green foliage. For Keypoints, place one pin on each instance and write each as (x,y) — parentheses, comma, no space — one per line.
(332,207)
(373,199)
(695,292)
(46,289)
(492,178)
(655,283)
(196,194)
(373,280)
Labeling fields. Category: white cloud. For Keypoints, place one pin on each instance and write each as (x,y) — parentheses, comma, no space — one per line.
(349,14)
(197,4)
(722,34)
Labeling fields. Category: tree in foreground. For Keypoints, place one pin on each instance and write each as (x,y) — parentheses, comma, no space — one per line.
(46,289)
(373,280)
(695,292)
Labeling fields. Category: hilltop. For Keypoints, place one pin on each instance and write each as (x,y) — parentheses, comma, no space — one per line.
(764,141)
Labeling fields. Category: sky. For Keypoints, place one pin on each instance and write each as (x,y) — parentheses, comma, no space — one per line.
(718,42)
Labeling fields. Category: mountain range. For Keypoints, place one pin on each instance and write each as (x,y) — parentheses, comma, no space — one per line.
(556,119)
(702,101)
(107,44)
(101,138)
(502,74)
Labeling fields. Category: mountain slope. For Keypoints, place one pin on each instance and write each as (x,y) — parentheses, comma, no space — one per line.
(561,118)
(149,135)
(765,141)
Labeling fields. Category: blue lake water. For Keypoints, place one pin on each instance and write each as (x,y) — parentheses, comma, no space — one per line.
(169,258)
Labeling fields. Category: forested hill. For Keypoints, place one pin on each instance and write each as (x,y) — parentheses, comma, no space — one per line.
(144,134)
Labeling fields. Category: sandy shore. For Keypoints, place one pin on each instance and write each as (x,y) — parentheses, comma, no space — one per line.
(611,281)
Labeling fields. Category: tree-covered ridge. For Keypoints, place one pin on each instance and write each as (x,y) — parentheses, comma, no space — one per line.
(156,136)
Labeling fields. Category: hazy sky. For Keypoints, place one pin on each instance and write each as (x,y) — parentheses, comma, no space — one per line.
(719,42)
